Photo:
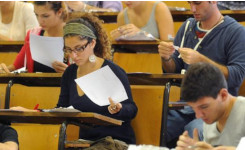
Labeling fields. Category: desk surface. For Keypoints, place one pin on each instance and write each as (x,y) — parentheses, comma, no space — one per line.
(178,16)
(11,46)
(135,46)
(57,118)
(54,79)
(33,79)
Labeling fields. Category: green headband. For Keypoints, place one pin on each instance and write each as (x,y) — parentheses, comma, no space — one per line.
(79,29)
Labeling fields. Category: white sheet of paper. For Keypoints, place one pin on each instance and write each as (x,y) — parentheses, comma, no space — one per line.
(241,145)
(140,36)
(102,84)
(46,50)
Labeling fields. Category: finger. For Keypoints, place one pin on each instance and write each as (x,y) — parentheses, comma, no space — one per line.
(195,135)
(5,68)
(111,101)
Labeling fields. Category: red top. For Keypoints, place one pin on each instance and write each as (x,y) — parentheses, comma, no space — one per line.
(19,61)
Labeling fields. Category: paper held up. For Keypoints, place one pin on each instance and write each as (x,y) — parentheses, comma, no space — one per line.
(140,36)
(46,50)
(102,84)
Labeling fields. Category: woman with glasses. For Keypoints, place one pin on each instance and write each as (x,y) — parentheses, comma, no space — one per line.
(51,16)
(87,44)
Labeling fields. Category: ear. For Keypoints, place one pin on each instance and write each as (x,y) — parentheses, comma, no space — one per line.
(224,94)
(59,12)
(93,43)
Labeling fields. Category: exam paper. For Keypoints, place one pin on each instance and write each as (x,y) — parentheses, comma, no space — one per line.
(140,36)
(46,50)
(102,84)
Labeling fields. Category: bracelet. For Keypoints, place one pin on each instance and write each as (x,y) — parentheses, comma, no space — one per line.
(166,60)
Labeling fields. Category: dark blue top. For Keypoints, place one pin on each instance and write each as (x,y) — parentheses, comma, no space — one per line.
(69,96)
(225,45)
(8,134)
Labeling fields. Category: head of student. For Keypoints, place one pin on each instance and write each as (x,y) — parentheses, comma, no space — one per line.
(204,88)
(203,10)
(50,13)
(85,39)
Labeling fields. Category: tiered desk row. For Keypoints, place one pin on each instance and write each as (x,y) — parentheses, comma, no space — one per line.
(151,92)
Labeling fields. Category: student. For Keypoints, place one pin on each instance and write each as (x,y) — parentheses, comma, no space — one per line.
(148,16)
(16,19)
(88,46)
(86,6)
(204,88)
(208,37)
(51,16)
(8,138)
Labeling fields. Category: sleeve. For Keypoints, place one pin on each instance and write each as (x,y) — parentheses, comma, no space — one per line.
(179,64)
(8,134)
(236,57)
(114,5)
(19,60)
(64,91)
(29,17)
(129,108)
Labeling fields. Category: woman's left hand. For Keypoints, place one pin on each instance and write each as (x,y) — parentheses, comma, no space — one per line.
(114,107)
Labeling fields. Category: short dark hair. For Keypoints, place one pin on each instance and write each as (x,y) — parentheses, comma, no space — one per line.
(202,80)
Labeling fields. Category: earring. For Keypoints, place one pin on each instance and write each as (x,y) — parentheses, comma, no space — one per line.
(92,58)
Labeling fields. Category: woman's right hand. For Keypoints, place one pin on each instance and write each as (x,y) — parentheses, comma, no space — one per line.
(19,108)
(166,49)
(4,68)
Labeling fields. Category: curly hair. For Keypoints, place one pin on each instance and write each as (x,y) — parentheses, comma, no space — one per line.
(103,46)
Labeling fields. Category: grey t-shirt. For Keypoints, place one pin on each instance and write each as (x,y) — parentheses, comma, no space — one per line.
(234,128)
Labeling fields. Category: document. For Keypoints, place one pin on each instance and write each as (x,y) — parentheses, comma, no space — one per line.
(46,50)
(140,36)
(102,84)
(69,109)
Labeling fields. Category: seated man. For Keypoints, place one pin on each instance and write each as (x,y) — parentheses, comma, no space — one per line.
(8,138)
(204,88)
(208,37)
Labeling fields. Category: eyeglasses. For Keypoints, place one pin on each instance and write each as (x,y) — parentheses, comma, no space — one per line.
(76,50)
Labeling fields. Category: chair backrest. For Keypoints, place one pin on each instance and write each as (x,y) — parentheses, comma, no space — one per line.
(149,100)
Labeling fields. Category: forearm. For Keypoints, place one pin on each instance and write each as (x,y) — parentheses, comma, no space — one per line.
(168,65)
(223,68)
(8,146)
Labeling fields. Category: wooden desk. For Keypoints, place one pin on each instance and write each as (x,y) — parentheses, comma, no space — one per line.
(135,46)
(11,46)
(59,118)
(181,16)
(107,17)
(53,79)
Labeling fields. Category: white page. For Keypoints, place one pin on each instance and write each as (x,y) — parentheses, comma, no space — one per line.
(241,145)
(46,50)
(140,36)
(102,84)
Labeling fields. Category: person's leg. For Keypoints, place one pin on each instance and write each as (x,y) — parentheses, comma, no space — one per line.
(196,123)
(176,122)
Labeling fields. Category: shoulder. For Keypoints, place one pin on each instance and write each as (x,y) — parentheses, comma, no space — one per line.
(25,6)
(36,30)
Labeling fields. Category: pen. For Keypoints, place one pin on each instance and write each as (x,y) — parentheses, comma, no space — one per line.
(36,107)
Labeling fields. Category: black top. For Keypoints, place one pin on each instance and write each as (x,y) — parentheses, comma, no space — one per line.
(38,67)
(69,96)
(8,134)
